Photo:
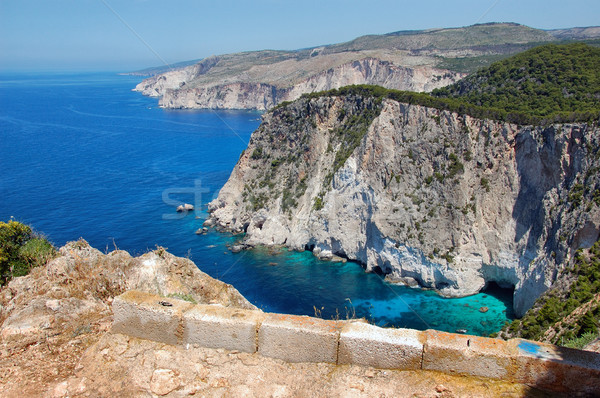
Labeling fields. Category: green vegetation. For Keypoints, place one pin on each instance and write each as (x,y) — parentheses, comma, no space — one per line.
(576,195)
(469,64)
(456,166)
(580,342)
(485,184)
(352,131)
(567,314)
(547,84)
(318,204)
(185,297)
(257,153)
(21,249)
(549,81)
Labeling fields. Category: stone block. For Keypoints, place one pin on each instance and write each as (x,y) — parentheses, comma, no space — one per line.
(369,345)
(557,369)
(463,354)
(215,326)
(149,316)
(295,338)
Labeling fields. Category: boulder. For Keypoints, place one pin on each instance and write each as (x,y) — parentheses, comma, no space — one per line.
(185,207)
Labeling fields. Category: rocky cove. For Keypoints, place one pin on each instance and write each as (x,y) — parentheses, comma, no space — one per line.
(441,199)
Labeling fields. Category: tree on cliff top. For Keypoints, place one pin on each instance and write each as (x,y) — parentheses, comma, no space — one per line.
(544,81)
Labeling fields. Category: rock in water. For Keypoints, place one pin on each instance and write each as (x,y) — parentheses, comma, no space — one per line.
(237,248)
(185,207)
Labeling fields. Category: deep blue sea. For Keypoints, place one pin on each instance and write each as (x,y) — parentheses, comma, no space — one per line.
(84,156)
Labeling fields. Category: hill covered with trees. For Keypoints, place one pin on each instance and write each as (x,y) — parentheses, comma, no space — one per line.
(548,81)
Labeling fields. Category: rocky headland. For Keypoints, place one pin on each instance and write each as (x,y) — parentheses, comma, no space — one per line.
(488,180)
(447,200)
(187,88)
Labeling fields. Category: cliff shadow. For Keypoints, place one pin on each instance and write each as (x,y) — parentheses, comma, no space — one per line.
(540,169)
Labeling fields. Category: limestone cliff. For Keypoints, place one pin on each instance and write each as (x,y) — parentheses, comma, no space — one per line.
(405,60)
(443,199)
(184,88)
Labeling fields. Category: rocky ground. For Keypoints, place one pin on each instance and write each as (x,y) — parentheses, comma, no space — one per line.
(56,342)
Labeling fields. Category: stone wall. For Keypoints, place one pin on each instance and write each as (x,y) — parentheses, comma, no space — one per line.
(305,339)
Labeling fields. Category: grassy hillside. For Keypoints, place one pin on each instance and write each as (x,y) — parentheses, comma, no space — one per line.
(542,82)
(488,35)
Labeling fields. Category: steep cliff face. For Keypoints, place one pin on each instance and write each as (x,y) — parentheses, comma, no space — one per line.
(439,198)
(179,89)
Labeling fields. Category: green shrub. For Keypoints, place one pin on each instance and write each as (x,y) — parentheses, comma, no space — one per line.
(319,203)
(485,184)
(580,342)
(21,249)
(257,153)
(455,167)
(185,297)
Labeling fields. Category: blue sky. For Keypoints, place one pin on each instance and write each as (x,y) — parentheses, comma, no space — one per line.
(88,35)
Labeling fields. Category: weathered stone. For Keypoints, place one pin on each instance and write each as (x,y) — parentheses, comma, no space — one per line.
(163,382)
(369,345)
(237,248)
(215,326)
(462,354)
(148,316)
(295,338)
(185,207)
(556,368)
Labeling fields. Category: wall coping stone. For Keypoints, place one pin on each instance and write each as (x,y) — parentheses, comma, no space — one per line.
(296,338)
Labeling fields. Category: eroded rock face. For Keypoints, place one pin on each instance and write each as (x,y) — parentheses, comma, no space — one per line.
(446,200)
(181,88)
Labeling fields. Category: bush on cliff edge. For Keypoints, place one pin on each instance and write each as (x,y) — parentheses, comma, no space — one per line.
(21,249)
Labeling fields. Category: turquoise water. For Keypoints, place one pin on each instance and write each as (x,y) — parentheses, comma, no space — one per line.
(84,156)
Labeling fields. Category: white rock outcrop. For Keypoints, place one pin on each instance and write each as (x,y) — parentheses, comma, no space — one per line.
(184,88)
(445,200)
